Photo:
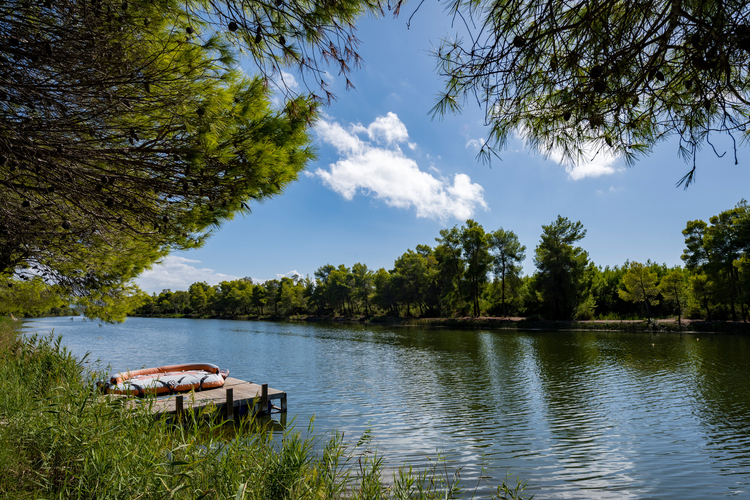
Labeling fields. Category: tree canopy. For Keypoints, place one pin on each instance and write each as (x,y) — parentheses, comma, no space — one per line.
(439,282)
(561,267)
(640,284)
(586,77)
(127,131)
(717,252)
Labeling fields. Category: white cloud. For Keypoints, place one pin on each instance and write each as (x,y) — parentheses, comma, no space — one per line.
(594,162)
(380,169)
(289,80)
(593,165)
(178,273)
(386,129)
(290,274)
(611,190)
(475,144)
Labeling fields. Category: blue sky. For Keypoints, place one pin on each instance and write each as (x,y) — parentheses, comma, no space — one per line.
(389,177)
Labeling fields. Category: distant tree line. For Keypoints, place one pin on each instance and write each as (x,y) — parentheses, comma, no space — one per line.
(472,272)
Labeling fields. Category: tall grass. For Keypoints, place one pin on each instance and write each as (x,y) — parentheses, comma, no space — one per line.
(59,438)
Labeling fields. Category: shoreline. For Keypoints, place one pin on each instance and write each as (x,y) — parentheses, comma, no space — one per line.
(668,325)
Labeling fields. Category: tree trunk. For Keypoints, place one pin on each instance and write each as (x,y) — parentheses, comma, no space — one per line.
(739,294)
(502,294)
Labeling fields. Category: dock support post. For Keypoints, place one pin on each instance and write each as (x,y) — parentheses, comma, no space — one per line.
(283,403)
(230,404)
(178,405)
(264,398)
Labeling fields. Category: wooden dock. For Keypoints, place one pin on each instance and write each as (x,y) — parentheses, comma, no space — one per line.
(235,399)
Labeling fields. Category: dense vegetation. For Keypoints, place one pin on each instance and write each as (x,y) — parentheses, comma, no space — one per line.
(127,130)
(60,439)
(474,272)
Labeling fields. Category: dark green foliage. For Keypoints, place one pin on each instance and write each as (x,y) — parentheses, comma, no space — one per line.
(508,254)
(127,130)
(560,267)
(716,253)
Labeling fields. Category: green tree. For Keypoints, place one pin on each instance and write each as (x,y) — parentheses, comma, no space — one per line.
(320,295)
(126,126)
(476,255)
(703,291)
(640,286)
(673,287)
(28,298)
(200,294)
(339,289)
(591,280)
(409,278)
(259,298)
(714,248)
(363,284)
(560,267)
(272,294)
(742,266)
(385,293)
(432,282)
(451,268)
(507,253)
(164,303)
(604,287)
(601,75)
(291,295)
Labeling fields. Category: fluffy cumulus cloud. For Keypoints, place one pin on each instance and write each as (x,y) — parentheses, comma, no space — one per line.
(372,163)
(597,165)
(594,164)
(178,273)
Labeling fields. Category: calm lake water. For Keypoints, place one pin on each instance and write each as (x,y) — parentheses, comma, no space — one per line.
(576,414)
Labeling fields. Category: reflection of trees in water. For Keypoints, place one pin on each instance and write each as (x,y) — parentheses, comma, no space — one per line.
(469,389)
(573,380)
(720,371)
(589,409)
(596,387)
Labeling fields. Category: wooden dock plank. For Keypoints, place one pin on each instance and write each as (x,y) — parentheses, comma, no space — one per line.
(242,396)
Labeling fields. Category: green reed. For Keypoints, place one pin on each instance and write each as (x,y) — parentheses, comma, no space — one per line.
(61,439)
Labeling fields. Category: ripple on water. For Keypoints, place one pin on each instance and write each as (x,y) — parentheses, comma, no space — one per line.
(576,414)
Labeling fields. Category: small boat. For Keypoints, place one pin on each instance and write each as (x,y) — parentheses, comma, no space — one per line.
(167,379)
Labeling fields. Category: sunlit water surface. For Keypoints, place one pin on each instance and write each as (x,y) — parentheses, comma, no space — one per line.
(576,414)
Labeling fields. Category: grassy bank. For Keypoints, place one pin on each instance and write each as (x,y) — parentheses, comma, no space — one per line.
(60,439)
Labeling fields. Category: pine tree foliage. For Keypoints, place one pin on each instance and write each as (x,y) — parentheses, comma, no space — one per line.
(560,267)
(595,76)
(126,127)
(640,285)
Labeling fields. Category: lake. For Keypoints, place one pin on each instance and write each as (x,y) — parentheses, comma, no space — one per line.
(594,415)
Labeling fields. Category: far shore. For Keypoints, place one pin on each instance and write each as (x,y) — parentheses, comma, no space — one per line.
(518,323)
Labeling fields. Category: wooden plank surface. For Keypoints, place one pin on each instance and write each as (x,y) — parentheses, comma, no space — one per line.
(243,394)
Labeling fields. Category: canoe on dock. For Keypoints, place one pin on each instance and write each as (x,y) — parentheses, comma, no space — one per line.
(167,379)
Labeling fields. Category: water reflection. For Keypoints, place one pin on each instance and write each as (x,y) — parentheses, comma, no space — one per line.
(577,414)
